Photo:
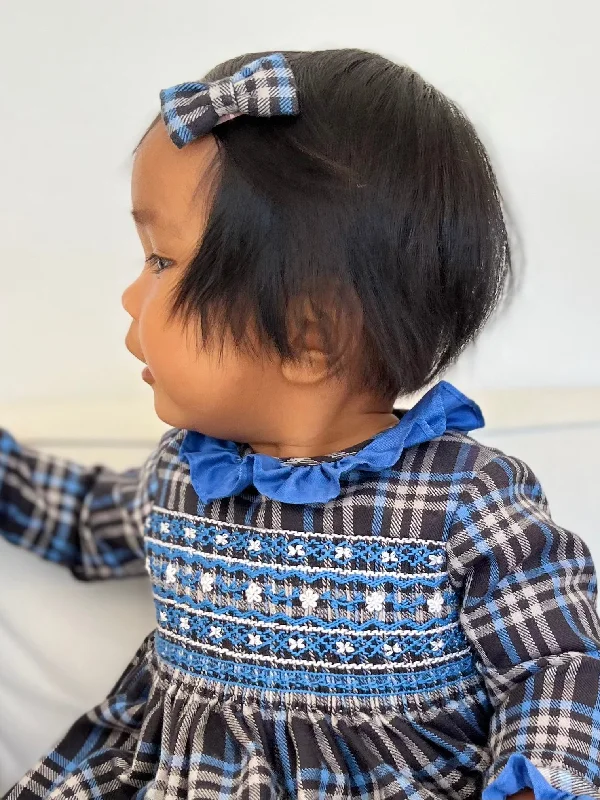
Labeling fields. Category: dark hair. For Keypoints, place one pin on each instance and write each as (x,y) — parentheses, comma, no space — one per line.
(376,208)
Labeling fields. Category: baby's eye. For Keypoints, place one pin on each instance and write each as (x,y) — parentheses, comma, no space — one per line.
(158,263)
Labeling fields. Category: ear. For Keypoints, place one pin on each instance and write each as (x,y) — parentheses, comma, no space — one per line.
(320,339)
(308,369)
(311,364)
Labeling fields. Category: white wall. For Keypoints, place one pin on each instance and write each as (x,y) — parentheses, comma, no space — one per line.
(81,81)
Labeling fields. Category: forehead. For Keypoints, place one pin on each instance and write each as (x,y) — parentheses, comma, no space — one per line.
(168,184)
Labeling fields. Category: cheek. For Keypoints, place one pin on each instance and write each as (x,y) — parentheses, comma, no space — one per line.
(161,339)
(167,349)
(193,387)
(199,383)
(182,372)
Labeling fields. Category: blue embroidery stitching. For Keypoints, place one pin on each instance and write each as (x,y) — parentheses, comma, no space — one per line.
(282,597)
(386,684)
(348,646)
(280,548)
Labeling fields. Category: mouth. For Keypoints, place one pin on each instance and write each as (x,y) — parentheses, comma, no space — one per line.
(147,376)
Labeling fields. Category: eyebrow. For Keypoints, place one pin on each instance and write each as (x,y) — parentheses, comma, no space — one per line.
(143,216)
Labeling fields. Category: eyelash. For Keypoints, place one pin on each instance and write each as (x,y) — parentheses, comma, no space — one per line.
(155,262)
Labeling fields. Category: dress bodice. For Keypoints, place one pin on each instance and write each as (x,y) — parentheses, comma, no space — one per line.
(343,598)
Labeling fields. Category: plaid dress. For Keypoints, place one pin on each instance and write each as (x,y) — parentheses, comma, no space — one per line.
(425,634)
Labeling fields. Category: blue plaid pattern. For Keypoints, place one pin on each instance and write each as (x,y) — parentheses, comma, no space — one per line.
(179,725)
(264,88)
(90,520)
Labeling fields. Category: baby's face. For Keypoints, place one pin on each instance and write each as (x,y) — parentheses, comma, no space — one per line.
(228,396)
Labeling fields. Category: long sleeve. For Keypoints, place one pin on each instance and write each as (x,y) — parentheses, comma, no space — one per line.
(528,594)
(90,520)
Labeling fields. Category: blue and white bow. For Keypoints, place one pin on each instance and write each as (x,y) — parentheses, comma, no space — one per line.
(264,88)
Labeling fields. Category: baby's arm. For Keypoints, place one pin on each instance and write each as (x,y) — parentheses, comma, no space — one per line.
(89,519)
(528,608)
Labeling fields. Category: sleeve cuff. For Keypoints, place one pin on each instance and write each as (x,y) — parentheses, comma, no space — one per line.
(518,774)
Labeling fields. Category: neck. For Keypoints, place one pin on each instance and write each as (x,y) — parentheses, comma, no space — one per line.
(313,431)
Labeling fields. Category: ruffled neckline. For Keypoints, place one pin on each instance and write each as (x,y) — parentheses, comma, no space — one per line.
(220,468)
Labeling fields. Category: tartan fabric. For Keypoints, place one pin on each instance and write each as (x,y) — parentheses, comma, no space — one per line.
(528,609)
(453,545)
(264,88)
(90,520)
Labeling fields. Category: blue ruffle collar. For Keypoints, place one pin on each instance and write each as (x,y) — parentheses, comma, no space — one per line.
(217,469)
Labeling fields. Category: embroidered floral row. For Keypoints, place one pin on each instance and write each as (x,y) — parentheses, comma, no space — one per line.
(180,581)
(315,682)
(316,645)
(289,548)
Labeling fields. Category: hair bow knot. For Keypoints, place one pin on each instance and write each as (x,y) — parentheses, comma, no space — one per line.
(264,88)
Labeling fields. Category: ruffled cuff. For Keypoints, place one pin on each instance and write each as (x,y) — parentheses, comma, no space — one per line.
(519,773)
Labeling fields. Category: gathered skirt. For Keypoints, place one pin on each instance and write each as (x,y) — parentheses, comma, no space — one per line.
(162,733)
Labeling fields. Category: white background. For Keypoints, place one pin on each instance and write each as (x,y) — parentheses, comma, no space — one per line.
(80,81)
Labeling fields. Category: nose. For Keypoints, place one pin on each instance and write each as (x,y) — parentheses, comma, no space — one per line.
(131,298)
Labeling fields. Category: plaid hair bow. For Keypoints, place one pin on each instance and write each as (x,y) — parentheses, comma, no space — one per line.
(264,88)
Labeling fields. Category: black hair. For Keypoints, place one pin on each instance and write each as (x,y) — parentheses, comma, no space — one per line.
(376,209)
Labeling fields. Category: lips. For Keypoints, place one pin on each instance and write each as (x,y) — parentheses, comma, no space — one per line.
(147,376)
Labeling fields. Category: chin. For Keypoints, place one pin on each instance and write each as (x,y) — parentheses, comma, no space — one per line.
(176,416)
(168,413)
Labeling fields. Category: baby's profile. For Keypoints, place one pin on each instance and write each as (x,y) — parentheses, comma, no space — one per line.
(352,601)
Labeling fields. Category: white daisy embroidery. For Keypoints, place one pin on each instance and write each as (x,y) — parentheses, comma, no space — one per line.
(215,632)
(391,650)
(164,527)
(253,593)
(437,645)
(389,557)
(221,539)
(308,599)
(207,582)
(170,573)
(189,534)
(254,546)
(163,616)
(296,550)
(344,648)
(184,624)
(296,644)
(375,601)
(436,560)
(435,603)
(254,640)
(343,552)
